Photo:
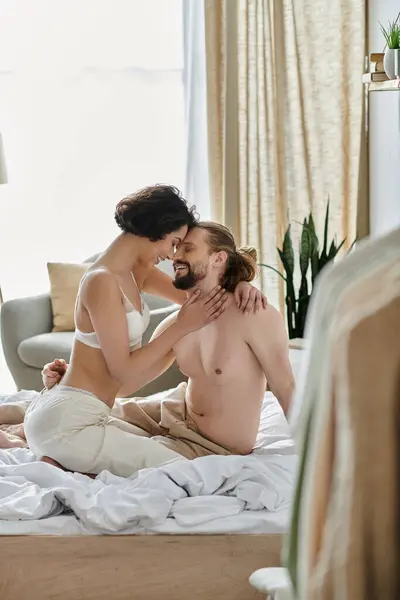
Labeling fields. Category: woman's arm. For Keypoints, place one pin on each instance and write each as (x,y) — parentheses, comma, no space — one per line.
(248,298)
(101,296)
(161,284)
(52,373)
(139,380)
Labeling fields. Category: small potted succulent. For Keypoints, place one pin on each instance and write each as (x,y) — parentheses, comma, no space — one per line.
(391,61)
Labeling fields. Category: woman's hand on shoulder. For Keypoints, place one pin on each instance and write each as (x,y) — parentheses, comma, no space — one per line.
(248,298)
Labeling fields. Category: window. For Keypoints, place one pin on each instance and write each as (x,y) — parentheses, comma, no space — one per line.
(91,108)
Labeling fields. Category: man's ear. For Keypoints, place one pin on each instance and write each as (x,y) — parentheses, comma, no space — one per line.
(219,258)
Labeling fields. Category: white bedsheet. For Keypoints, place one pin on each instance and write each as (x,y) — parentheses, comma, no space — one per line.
(213,494)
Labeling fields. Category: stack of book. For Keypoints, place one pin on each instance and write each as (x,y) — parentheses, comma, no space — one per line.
(377,72)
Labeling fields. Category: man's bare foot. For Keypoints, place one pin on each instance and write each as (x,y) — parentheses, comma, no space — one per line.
(50,461)
(8,440)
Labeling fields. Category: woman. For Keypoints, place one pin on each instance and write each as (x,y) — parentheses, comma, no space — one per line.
(71,423)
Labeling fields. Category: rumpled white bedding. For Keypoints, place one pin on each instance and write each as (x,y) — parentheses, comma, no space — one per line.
(213,494)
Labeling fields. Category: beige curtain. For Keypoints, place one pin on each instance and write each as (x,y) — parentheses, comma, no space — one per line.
(285,118)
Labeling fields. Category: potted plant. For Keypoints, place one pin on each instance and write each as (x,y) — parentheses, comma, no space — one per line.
(311,257)
(392,55)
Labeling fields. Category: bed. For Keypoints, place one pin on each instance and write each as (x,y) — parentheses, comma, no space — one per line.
(196,529)
(165,567)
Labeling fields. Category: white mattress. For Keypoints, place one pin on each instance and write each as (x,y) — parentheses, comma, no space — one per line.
(208,495)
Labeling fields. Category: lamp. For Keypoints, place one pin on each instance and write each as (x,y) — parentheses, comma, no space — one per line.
(3,179)
(3,168)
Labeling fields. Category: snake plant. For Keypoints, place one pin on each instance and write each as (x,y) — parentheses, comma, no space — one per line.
(309,257)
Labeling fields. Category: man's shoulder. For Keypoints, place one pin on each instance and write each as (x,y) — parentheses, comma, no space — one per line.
(266,318)
(261,318)
(269,312)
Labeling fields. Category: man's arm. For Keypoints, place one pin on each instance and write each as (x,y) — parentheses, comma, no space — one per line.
(266,335)
(158,368)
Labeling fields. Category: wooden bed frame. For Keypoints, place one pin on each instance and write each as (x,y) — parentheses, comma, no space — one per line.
(130,567)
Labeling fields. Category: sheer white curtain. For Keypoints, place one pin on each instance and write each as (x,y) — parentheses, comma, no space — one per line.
(91,108)
(197,172)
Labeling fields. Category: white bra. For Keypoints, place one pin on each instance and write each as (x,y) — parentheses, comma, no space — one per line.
(137,324)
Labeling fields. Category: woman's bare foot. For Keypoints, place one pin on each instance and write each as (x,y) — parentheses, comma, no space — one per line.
(8,440)
(50,461)
(17,430)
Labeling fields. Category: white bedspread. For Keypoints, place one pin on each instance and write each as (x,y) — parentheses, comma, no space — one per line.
(191,495)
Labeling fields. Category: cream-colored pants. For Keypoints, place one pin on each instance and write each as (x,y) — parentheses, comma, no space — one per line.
(75,428)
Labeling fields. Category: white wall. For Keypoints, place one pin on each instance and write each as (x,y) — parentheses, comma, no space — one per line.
(384,133)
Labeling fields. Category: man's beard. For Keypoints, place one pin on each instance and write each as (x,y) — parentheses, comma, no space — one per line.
(192,277)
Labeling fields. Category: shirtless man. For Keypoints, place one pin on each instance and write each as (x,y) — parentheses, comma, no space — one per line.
(228,362)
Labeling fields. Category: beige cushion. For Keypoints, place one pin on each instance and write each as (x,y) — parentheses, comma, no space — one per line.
(64,284)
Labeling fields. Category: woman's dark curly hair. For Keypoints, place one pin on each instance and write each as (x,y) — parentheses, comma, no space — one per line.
(154,212)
